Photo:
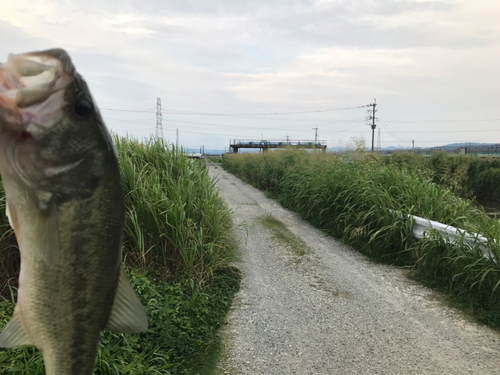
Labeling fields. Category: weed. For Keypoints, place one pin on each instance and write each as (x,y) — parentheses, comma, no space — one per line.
(352,198)
(283,234)
(183,322)
(176,224)
(178,245)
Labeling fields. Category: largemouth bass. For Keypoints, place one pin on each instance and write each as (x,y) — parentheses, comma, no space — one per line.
(64,200)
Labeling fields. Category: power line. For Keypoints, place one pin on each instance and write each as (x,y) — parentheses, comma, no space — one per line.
(342,130)
(266,114)
(450,131)
(246,119)
(150,110)
(278,127)
(110,119)
(249,127)
(227,134)
(235,114)
(378,140)
(128,110)
(390,132)
(288,119)
(471,120)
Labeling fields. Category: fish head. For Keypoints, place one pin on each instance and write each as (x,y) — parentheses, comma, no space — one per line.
(52,136)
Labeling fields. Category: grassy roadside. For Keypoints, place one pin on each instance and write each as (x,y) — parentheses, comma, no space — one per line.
(351,199)
(178,249)
(468,176)
(183,327)
(282,233)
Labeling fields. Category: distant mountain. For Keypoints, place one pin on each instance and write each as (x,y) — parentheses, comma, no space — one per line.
(341,148)
(465,144)
(191,150)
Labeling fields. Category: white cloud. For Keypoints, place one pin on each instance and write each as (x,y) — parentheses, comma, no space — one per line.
(434,60)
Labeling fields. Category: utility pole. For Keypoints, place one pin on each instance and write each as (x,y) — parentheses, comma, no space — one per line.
(287,139)
(315,136)
(159,128)
(177,140)
(413,145)
(372,117)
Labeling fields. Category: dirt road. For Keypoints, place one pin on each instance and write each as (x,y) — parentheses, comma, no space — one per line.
(332,311)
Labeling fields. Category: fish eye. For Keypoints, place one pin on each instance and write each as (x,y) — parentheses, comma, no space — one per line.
(83,107)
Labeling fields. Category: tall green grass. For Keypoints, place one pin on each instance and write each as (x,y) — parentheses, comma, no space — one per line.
(9,260)
(178,247)
(176,222)
(469,176)
(352,198)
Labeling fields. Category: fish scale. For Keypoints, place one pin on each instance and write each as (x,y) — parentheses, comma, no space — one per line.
(62,183)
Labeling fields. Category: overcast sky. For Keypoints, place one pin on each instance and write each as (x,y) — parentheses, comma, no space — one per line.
(243,69)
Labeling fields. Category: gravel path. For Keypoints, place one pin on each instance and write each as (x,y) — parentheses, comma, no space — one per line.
(332,311)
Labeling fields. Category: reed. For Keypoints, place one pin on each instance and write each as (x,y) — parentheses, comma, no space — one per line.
(469,176)
(178,246)
(352,198)
(176,222)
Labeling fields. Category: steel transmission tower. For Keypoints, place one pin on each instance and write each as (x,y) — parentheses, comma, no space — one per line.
(159,128)
(379,145)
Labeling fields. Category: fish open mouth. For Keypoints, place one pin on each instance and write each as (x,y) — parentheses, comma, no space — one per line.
(32,87)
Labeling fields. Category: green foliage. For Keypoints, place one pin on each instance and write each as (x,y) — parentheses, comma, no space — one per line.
(178,232)
(468,176)
(183,320)
(353,197)
(214,159)
(472,276)
(283,234)
(176,222)
(9,259)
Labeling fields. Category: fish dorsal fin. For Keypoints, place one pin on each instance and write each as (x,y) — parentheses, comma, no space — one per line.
(14,334)
(47,230)
(127,314)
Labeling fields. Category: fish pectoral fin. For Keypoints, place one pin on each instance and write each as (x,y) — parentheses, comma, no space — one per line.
(47,230)
(127,314)
(14,334)
(8,214)
(11,212)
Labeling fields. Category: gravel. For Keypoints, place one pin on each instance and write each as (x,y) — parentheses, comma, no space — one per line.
(333,311)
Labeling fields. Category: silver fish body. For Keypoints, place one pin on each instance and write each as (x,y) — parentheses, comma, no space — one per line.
(64,200)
